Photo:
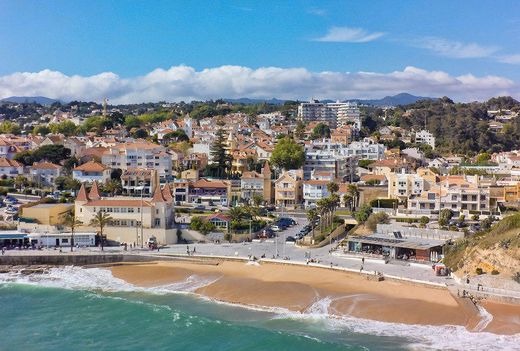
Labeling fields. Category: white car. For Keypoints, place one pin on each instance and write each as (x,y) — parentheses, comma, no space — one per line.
(276,228)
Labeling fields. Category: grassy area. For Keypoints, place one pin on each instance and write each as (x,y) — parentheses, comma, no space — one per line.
(343,213)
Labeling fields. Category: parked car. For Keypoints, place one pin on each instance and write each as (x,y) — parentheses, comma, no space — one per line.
(276,228)
(200,207)
(290,239)
(288,221)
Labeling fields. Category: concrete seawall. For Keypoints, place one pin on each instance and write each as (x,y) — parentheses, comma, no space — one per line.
(78,260)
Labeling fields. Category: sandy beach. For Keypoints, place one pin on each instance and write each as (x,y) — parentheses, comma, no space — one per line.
(298,288)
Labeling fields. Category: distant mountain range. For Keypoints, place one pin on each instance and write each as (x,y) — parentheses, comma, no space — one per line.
(399,99)
(247,101)
(42,100)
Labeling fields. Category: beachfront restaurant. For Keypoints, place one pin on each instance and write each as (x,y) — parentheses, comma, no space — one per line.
(14,239)
(64,239)
(404,248)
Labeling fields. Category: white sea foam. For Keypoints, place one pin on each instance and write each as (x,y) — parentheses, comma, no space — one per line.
(421,337)
(449,337)
(485,318)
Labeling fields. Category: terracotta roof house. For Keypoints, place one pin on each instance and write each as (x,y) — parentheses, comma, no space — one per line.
(91,171)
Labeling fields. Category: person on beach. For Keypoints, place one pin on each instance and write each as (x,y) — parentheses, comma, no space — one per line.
(362,260)
(3,251)
(361,268)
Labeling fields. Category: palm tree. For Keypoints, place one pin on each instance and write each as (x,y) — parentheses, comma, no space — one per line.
(322,208)
(72,222)
(312,216)
(334,204)
(236,213)
(347,199)
(353,191)
(257,200)
(101,220)
(332,187)
(113,187)
(20,181)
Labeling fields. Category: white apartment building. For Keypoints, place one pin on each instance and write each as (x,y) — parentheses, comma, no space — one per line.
(335,114)
(139,154)
(425,137)
(461,194)
(314,190)
(324,156)
(366,149)
(403,185)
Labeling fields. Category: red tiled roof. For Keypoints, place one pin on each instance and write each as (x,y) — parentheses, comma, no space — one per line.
(91,166)
(119,203)
(45,165)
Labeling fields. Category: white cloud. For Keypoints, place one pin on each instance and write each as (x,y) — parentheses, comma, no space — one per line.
(185,83)
(349,35)
(511,59)
(455,49)
(317,11)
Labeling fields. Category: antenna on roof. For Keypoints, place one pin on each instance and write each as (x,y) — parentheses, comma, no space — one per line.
(105,103)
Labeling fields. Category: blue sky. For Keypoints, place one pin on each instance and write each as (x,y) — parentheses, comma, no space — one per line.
(131,39)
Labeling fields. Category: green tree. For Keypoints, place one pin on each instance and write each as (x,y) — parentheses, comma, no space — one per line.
(257,200)
(312,216)
(364,212)
(51,153)
(299,131)
(321,130)
(20,182)
(9,127)
(41,129)
(287,154)
(219,154)
(353,192)
(444,216)
(101,220)
(72,222)
(24,157)
(113,186)
(332,187)
(178,135)
(117,118)
(424,220)
(236,213)
(140,134)
(67,128)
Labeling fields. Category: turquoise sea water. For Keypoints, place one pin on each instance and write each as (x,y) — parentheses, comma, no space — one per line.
(79,309)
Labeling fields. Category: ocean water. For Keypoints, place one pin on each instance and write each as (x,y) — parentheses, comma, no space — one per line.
(73,308)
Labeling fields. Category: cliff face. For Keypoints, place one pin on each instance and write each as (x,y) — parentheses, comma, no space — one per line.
(505,261)
(495,250)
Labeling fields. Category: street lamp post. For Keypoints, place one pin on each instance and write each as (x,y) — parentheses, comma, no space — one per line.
(141,210)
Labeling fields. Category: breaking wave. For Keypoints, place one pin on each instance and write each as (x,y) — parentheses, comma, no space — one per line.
(420,337)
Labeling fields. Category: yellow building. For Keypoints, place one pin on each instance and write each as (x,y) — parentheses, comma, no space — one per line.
(47,214)
(289,189)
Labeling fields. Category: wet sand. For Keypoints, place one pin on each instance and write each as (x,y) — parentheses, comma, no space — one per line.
(297,288)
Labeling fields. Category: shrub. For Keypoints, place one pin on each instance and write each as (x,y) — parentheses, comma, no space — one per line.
(479,271)
(376,218)
(363,213)
(495,272)
(320,238)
